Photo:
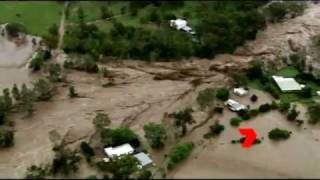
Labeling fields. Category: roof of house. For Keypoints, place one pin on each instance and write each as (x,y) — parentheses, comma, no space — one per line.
(143,159)
(287,84)
(119,150)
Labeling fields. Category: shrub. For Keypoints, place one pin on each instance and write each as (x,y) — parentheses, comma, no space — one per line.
(206,97)
(264,108)
(254,98)
(155,134)
(55,72)
(35,172)
(16,93)
(182,118)
(279,134)
(222,94)
(179,153)
(235,121)
(240,79)
(255,70)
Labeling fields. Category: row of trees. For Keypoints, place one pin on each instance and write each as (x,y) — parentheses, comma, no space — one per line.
(219,31)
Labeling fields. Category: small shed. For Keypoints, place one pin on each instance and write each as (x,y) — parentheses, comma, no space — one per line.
(181,24)
(117,151)
(144,159)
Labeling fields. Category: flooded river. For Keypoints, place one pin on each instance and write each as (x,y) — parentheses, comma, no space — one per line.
(13,62)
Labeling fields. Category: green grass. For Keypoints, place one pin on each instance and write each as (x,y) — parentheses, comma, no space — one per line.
(36,16)
(287,72)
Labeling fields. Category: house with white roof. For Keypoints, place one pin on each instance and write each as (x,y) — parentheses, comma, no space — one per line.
(117,151)
(287,84)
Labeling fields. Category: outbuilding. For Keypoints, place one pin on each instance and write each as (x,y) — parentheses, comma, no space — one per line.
(144,159)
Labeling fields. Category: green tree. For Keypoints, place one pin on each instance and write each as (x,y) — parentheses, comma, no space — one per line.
(119,136)
(16,93)
(55,72)
(179,152)
(206,97)
(53,30)
(105,13)
(123,167)
(223,94)
(216,129)
(65,161)
(155,134)
(87,150)
(27,98)
(6,138)
(43,90)
(13,29)
(7,99)
(255,70)
(101,120)
(183,118)
(36,63)
(293,114)
(306,92)
(35,172)
(81,15)
(240,79)
(284,106)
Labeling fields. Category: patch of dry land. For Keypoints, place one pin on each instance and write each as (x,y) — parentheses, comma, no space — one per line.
(144,92)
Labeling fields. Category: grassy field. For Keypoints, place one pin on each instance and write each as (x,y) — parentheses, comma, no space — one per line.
(287,72)
(36,16)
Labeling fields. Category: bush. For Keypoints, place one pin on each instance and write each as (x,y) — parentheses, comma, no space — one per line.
(155,134)
(119,136)
(55,72)
(241,80)
(274,105)
(206,97)
(35,172)
(279,134)
(72,92)
(65,162)
(235,121)
(222,94)
(255,71)
(179,153)
(182,118)
(254,98)
(264,108)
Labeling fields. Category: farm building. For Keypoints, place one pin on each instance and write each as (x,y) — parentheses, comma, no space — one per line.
(144,159)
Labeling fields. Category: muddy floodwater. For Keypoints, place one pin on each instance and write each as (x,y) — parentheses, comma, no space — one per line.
(13,62)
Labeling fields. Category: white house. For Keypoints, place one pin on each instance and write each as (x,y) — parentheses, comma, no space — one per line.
(240,91)
(181,24)
(234,105)
(287,84)
(124,149)
(144,159)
